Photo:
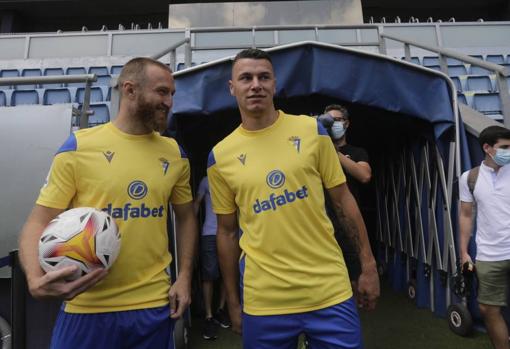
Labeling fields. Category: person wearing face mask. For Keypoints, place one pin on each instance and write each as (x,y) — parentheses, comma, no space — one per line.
(488,186)
(354,162)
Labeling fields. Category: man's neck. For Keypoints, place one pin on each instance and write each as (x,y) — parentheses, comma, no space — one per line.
(340,142)
(126,122)
(489,162)
(254,122)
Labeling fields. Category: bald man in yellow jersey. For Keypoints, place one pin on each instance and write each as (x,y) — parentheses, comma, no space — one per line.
(286,275)
(128,170)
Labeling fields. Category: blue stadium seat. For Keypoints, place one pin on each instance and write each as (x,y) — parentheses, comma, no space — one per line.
(415,60)
(435,67)
(487,103)
(101,114)
(3,99)
(430,60)
(453,61)
(96,95)
(56,96)
(53,72)
(498,59)
(116,69)
(180,66)
(461,98)
(457,70)
(475,70)
(29,73)
(99,70)
(479,84)
(20,97)
(477,56)
(102,80)
(457,83)
(9,73)
(75,71)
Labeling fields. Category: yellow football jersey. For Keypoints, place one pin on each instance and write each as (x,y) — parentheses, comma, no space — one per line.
(274,177)
(133,178)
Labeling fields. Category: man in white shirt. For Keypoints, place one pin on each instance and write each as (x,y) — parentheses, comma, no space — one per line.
(490,191)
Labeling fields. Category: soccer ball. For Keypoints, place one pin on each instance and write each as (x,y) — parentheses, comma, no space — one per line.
(83,236)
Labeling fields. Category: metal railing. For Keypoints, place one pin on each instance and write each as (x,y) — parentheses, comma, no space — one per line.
(501,72)
(88,79)
(172,50)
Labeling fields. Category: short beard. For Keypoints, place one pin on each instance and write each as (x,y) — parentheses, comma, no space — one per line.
(146,113)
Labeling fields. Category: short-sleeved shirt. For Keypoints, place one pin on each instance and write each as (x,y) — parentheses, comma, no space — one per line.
(492,196)
(210,223)
(133,178)
(356,154)
(275,177)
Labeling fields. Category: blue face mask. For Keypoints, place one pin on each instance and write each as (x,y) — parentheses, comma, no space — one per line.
(337,130)
(502,157)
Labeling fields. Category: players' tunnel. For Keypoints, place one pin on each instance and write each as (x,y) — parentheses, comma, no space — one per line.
(404,115)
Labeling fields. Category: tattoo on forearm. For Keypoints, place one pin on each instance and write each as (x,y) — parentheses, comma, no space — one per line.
(350,228)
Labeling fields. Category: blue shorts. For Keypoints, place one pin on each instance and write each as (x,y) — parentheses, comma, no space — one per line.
(133,329)
(209,258)
(335,327)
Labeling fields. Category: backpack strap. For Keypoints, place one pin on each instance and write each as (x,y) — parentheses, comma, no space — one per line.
(472,177)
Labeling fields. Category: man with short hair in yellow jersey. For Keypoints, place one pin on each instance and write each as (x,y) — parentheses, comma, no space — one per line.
(128,170)
(270,171)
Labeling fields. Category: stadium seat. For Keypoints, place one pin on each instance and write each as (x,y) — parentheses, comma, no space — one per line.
(435,67)
(102,80)
(430,60)
(99,70)
(101,114)
(461,98)
(3,99)
(53,72)
(29,73)
(20,97)
(477,56)
(457,83)
(457,70)
(75,71)
(96,95)
(116,69)
(9,73)
(453,61)
(415,60)
(180,66)
(498,59)
(479,84)
(56,96)
(487,103)
(475,70)
(109,94)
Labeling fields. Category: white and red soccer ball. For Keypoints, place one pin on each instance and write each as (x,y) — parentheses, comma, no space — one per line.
(83,236)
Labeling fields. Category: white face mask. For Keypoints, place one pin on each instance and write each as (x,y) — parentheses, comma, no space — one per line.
(337,130)
(502,157)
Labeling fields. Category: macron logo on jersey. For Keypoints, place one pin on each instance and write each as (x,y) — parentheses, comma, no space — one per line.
(276,179)
(137,190)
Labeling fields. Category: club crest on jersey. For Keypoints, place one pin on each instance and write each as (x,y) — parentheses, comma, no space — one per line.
(296,141)
(165,164)
(109,155)
(242,158)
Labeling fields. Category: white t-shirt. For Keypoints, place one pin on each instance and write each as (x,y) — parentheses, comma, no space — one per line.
(492,195)
(209,227)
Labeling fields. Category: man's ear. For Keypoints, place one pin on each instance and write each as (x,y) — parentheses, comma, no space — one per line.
(129,89)
(231,87)
(486,148)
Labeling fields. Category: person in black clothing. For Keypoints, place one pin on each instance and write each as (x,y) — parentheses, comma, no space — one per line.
(355,163)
